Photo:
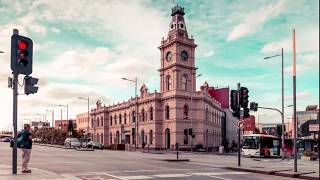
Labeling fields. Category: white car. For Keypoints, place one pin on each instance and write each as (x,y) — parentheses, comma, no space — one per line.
(72,142)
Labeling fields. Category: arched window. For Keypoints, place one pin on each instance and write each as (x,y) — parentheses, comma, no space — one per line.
(185,138)
(115,119)
(151,113)
(101,138)
(167,112)
(151,137)
(125,118)
(120,119)
(184,82)
(110,120)
(98,122)
(185,111)
(110,138)
(98,138)
(168,82)
(142,115)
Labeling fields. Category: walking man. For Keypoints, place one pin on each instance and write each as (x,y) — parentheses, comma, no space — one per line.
(26,148)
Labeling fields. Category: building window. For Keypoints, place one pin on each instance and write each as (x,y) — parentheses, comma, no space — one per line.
(184,82)
(110,138)
(117,137)
(125,118)
(110,120)
(151,113)
(186,135)
(98,122)
(151,136)
(115,119)
(120,119)
(142,115)
(133,116)
(207,114)
(185,111)
(167,112)
(168,82)
(101,138)
(101,121)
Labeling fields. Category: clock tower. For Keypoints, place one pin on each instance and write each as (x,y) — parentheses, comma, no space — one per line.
(177,72)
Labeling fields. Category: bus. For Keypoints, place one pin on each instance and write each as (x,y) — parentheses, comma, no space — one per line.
(261,145)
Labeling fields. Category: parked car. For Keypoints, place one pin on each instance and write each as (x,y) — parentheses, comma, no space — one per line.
(6,139)
(95,145)
(73,142)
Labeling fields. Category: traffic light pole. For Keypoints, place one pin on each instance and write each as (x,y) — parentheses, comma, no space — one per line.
(15,112)
(239,139)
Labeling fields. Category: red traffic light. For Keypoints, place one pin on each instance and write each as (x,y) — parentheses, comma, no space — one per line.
(22,44)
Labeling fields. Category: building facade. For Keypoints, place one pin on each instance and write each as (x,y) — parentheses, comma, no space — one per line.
(162,119)
(64,124)
(82,121)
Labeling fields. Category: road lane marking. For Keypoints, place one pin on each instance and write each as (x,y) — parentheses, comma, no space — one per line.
(134,177)
(70,177)
(217,173)
(171,175)
(220,178)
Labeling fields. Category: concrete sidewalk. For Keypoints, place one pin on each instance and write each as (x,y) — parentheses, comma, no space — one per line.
(284,172)
(6,174)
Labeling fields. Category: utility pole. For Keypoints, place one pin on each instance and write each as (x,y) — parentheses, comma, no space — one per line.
(294,101)
(239,139)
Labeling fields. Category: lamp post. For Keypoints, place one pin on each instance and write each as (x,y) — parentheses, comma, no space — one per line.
(191,109)
(87,133)
(52,116)
(282,98)
(67,106)
(136,113)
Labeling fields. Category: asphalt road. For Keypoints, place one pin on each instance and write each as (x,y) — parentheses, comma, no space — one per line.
(103,164)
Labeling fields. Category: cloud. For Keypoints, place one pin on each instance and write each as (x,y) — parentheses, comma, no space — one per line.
(255,20)
(208,54)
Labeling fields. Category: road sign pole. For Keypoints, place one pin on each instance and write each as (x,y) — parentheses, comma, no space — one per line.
(239,158)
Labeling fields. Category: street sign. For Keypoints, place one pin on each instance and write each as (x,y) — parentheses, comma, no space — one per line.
(240,123)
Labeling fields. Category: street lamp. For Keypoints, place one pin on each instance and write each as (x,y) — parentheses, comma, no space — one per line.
(136,113)
(67,106)
(282,106)
(192,83)
(52,116)
(87,134)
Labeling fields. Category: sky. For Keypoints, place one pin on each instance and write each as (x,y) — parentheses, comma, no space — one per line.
(83,49)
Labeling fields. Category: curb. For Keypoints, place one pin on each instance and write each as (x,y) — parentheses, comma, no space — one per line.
(281,173)
(62,147)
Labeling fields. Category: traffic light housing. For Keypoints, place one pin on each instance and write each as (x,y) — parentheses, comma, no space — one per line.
(253,106)
(246,113)
(244,97)
(70,126)
(234,100)
(29,83)
(21,54)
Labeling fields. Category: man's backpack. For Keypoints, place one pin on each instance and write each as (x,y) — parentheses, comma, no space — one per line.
(20,140)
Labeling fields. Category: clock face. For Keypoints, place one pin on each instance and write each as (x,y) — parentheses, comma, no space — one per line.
(169,56)
(184,55)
